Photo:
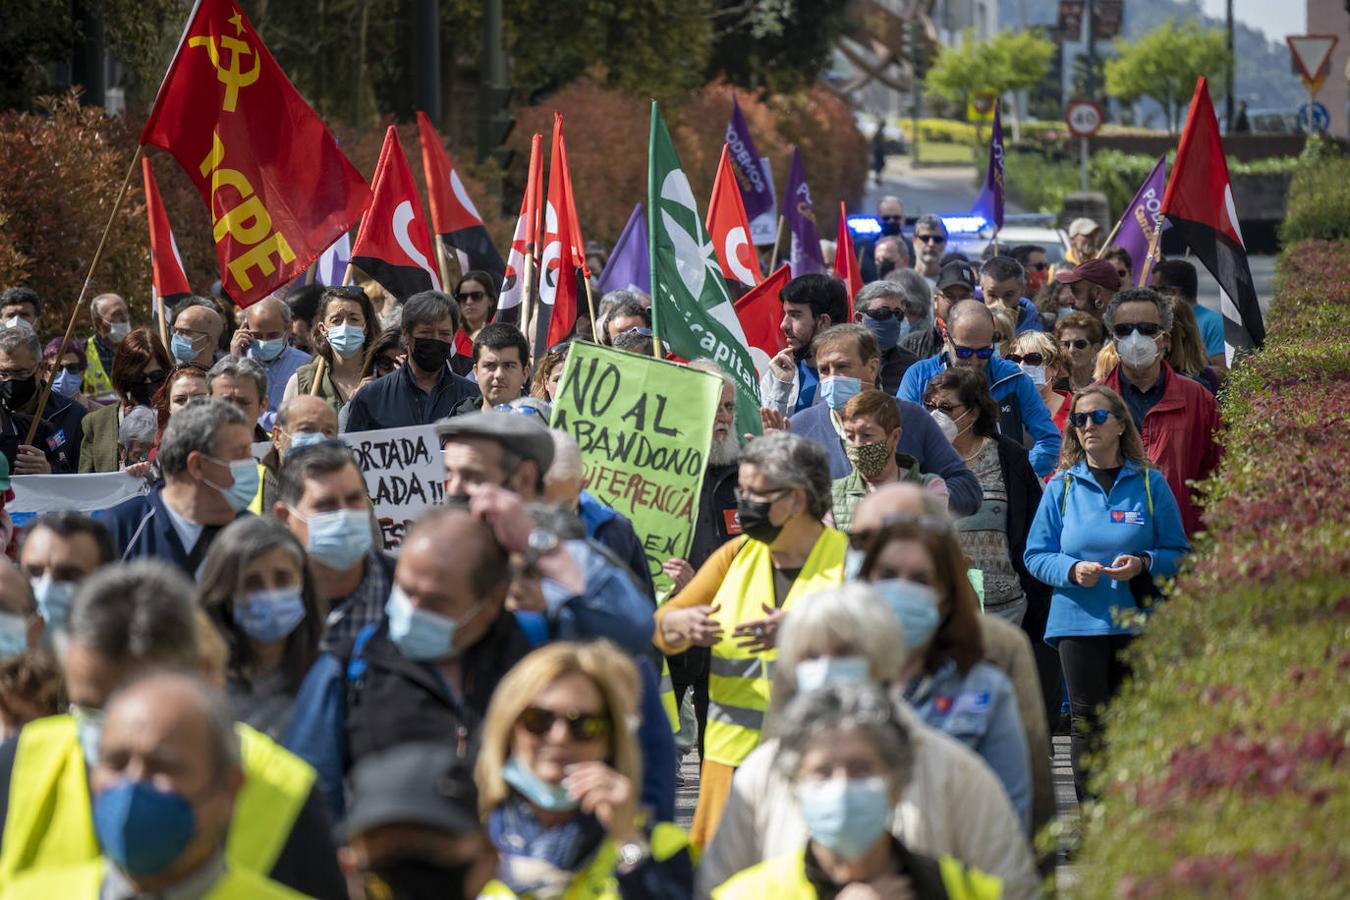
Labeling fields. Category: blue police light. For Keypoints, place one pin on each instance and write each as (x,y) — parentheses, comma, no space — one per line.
(864,226)
(965,224)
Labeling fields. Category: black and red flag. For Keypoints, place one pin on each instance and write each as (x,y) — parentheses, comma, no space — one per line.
(393,246)
(1199,204)
(278,189)
(168,282)
(453,216)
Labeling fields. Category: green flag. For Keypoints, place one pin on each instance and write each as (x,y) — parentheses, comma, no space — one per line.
(691,309)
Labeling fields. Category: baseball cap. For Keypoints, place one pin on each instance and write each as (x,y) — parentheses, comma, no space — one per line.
(1083,225)
(957,272)
(420,783)
(523,435)
(1097,271)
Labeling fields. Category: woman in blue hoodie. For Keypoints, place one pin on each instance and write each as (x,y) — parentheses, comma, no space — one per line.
(1106,527)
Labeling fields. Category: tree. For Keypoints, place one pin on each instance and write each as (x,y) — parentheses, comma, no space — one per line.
(1009,61)
(1164,65)
(778,45)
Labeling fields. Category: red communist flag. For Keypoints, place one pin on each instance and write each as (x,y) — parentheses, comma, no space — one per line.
(729,228)
(167,279)
(523,241)
(393,245)
(846,260)
(454,218)
(562,252)
(278,189)
(761,315)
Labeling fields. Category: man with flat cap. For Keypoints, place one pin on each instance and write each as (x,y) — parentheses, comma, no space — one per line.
(413,830)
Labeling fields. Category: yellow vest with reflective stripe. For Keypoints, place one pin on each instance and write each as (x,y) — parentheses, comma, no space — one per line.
(785,878)
(50,824)
(255,505)
(667,690)
(739,681)
(84,881)
(597,881)
(97,380)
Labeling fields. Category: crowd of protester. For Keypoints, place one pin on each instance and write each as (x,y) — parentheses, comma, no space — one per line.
(970,479)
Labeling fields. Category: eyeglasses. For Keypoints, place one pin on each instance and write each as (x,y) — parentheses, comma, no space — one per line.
(882,314)
(1097,416)
(1038,266)
(580,726)
(466,296)
(639,330)
(1075,344)
(70,368)
(346,292)
(1031,359)
(968,352)
(945,408)
(931,238)
(772,496)
(1125,329)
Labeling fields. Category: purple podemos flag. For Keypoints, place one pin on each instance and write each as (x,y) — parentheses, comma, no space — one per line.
(1142,217)
(630,265)
(756,190)
(805,257)
(990,202)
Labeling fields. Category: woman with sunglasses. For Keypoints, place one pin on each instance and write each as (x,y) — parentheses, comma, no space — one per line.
(67,374)
(139,369)
(559,773)
(476,294)
(1079,336)
(1107,526)
(1038,355)
(344,325)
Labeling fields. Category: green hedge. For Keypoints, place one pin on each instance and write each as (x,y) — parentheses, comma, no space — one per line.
(1227,772)
(1319,196)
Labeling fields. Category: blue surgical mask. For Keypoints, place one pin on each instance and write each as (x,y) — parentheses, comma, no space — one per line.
(269,350)
(246,480)
(142,829)
(13,634)
(837,390)
(915,605)
(1065,310)
(182,349)
(887,331)
(419,634)
(550,797)
(270,616)
(67,384)
(346,340)
(339,539)
(89,730)
(305,438)
(54,600)
(813,674)
(846,815)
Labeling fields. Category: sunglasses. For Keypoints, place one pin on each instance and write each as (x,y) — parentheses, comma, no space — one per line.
(70,368)
(1097,416)
(1038,266)
(1125,329)
(891,218)
(1075,344)
(882,314)
(968,352)
(466,296)
(944,408)
(1031,359)
(931,238)
(580,726)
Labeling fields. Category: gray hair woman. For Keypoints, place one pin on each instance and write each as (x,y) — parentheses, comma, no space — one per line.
(849,755)
(739,597)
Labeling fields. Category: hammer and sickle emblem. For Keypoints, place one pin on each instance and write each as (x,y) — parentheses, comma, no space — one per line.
(231,77)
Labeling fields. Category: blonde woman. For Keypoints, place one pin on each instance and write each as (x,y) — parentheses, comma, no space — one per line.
(1038,355)
(559,774)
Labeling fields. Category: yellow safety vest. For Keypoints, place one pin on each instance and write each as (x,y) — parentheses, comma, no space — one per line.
(85,880)
(97,382)
(785,878)
(50,823)
(255,505)
(597,881)
(739,681)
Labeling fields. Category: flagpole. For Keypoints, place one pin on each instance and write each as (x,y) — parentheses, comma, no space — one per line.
(1109,238)
(527,298)
(443,263)
(590,302)
(163,318)
(777,239)
(1147,270)
(322,368)
(84,291)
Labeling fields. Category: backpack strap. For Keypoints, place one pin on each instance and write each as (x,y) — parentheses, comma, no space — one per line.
(356,663)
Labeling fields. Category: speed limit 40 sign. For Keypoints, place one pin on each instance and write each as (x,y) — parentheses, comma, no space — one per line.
(1084,117)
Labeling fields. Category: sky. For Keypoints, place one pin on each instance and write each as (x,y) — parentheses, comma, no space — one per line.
(1276,19)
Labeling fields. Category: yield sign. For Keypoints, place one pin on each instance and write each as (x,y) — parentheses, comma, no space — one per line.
(1311,54)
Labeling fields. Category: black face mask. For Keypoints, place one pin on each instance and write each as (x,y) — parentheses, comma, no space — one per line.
(17,391)
(754,518)
(143,392)
(890,228)
(414,879)
(885,267)
(429,354)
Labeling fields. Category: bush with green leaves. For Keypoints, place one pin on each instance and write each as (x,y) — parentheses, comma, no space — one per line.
(1227,771)
(1318,206)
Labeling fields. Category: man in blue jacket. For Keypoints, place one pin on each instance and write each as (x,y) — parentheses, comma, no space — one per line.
(848,358)
(423,389)
(971,343)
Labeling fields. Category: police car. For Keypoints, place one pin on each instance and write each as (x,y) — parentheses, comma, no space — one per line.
(970,234)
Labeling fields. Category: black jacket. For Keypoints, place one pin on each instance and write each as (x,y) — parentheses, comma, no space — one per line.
(716,513)
(395,401)
(894,362)
(923,344)
(1024,497)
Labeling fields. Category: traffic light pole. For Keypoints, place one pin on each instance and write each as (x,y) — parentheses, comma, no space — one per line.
(494,91)
(427,59)
(1091,26)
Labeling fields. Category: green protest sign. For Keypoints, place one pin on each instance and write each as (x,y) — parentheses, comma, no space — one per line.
(644,427)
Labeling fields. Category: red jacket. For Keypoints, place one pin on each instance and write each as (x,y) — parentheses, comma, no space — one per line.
(1178,437)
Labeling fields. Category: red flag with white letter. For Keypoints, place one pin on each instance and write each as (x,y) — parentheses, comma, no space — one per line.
(453,216)
(393,246)
(729,228)
(562,253)
(167,279)
(846,260)
(524,241)
(761,314)
(278,189)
